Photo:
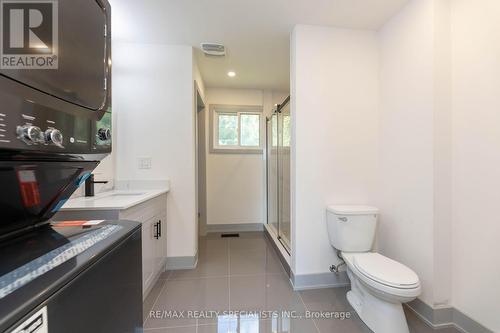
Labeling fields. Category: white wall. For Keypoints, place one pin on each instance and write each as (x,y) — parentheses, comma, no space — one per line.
(197,77)
(442,156)
(406,119)
(406,174)
(334,124)
(236,182)
(438,150)
(476,159)
(153,99)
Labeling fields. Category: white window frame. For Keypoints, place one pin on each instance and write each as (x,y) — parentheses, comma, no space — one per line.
(216,110)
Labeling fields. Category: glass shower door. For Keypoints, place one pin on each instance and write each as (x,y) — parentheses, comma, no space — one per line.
(278,173)
(284,137)
(272,172)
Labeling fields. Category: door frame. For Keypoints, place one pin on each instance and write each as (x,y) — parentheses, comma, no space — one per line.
(200,110)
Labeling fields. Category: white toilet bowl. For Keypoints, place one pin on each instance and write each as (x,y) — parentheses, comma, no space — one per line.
(379,286)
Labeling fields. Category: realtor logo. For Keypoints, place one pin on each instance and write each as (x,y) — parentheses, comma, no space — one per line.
(29,34)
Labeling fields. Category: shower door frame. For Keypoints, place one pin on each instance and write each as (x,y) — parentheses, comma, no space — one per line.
(286,245)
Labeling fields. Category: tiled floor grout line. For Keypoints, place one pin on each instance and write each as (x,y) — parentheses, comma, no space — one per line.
(225,276)
(228,276)
(170,327)
(268,242)
(259,265)
(307,309)
(158,296)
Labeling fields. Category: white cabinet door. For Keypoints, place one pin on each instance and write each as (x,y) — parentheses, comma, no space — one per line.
(148,253)
(163,218)
(157,242)
(154,237)
(161,242)
(160,239)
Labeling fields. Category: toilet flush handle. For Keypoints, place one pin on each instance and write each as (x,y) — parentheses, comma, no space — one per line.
(343,219)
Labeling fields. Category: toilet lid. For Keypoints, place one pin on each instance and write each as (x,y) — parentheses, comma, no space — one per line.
(386,271)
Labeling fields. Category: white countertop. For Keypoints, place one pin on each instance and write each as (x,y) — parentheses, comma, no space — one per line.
(112,200)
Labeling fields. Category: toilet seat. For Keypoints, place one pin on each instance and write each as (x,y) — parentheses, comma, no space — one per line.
(382,274)
(386,271)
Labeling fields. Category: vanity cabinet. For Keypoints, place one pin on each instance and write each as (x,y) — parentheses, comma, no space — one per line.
(150,211)
(153,216)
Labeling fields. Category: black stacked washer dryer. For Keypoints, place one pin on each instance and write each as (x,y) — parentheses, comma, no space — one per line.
(55,127)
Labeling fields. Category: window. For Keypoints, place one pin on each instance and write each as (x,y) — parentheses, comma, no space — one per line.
(228,129)
(236,129)
(250,130)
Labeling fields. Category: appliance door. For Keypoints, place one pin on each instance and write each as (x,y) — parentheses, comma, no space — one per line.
(83,53)
(33,190)
(106,297)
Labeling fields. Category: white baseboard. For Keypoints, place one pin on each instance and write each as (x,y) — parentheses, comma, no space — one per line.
(244,227)
(178,263)
(446,317)
(319,281)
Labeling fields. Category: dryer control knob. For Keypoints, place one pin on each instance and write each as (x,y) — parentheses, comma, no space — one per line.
(54,136)
(104,134)
(30,134)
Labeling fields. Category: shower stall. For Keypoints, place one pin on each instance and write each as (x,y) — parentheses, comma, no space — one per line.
(278,133)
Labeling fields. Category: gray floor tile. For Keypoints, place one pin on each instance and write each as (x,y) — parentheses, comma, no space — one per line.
(252,254)
(181,296)
(351,325)
(165,275)
(213,261)
(189,329)
(256,259)
(152,297)
(334,301)
(245,274)
(254,325)
(251,235)
(254,243)
(329,299)
(263,292)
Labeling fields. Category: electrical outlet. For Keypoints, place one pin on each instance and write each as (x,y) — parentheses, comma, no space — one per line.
(144,163)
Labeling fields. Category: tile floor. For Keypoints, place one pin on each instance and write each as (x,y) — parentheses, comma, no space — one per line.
(240,286)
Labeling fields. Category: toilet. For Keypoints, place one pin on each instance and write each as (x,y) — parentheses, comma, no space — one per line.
(379,285)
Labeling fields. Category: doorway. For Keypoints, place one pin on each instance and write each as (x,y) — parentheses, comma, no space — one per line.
(201,163)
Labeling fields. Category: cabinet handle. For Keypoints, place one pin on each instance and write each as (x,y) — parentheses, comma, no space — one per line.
(157,232)
(159,228)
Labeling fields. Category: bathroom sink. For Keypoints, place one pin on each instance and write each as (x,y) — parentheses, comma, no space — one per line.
(119,195)
(113,200)
(125,194)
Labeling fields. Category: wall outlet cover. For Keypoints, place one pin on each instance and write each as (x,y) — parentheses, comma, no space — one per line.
(144,163)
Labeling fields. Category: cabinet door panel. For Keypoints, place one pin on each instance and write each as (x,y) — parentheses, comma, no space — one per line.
(163,217)
(149,252)
(158,245)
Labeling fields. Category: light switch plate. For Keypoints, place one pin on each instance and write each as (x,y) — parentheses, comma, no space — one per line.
(144,163)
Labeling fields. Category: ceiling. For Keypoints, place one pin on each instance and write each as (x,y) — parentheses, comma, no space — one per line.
(256,32)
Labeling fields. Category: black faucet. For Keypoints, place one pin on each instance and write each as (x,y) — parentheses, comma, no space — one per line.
(89,185)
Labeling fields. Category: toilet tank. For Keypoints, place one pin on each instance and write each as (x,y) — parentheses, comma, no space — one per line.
(352,228)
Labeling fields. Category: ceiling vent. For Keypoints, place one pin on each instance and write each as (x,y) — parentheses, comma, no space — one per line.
(213,49)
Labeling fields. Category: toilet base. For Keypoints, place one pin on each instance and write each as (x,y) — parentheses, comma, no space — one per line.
(378,314)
